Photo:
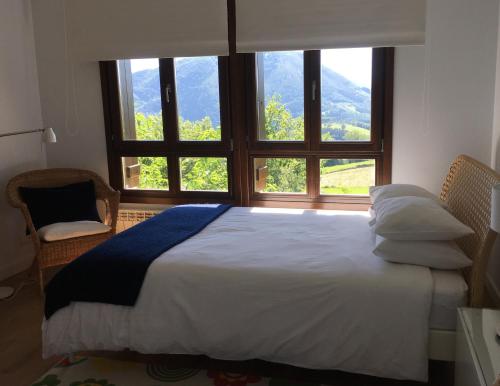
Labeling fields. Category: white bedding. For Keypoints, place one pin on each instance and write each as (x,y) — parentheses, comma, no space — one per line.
(290,286)
(449,293)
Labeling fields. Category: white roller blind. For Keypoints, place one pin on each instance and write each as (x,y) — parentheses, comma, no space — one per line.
(119,29)
(269,25)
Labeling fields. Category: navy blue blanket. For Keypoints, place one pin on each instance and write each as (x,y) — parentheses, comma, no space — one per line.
(113,272)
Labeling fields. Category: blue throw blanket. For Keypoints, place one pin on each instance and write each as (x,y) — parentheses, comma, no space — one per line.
(113,272)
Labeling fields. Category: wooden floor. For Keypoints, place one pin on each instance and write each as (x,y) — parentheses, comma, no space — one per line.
(21,362)
(20,337)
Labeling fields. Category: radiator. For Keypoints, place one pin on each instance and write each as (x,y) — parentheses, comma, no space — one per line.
(129,217)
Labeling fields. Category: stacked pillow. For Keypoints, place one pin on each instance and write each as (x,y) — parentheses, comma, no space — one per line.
(414,227)
(379,193)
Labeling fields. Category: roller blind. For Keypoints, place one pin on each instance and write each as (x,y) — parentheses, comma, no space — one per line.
(270,25)
(119,29)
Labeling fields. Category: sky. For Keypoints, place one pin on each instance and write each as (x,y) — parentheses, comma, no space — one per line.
(353,63)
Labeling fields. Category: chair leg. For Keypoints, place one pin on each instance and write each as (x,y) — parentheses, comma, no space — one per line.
(33,269)
(40,281)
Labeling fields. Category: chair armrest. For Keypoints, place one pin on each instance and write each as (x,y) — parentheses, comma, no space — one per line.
(113,204)
(14,199)
(31,227)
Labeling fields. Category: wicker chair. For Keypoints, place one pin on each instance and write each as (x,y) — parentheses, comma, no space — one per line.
(49,254)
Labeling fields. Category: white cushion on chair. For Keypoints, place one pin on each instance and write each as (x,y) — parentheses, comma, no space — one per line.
(69,230)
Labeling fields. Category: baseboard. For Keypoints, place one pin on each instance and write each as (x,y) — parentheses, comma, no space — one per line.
(15,267)
(493,290)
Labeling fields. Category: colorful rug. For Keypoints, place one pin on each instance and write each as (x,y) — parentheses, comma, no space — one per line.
(90,371)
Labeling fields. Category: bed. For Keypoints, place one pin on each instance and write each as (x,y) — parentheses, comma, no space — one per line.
(299,287)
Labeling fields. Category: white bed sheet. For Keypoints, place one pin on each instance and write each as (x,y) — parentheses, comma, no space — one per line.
(449,293)
(289,286)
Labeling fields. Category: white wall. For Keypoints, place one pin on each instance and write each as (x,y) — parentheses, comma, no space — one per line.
(409,134)
(444,92)
(19,110)
(71,98)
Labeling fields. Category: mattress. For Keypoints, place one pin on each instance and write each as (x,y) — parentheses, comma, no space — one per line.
(449,293)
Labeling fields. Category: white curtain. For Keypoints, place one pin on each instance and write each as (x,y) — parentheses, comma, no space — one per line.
(270,25)
(119,29)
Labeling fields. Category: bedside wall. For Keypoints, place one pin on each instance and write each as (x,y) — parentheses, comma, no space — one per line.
(19,110)
(70,94)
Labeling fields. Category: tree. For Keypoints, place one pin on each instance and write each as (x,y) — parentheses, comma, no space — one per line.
(284,174)
(202,130)
(154,170)
(198,173)
(204,173)
(210,173)
(280,125)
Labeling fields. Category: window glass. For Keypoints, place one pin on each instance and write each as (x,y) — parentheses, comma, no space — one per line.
(198,104)
(346,176)
(280,96)
(140,99)
(204,174)
(280,175)
(145,173)
(346,76)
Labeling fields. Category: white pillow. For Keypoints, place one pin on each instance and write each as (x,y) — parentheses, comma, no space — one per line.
(373,215)
(379,193)
(432,254)
(416,218)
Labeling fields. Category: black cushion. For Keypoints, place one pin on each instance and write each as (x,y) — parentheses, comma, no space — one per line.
(74,202)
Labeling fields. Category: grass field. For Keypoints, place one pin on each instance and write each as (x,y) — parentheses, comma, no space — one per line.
(352,133)
(348,179)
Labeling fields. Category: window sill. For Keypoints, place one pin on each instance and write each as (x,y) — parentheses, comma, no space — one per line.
(333,203)
(330,205)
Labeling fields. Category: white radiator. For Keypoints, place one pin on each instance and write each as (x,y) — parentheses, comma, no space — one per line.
(128,217)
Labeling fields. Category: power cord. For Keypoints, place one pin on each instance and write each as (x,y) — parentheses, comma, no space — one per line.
(23,284)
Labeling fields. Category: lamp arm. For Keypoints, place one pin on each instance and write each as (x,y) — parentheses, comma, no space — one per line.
(21,132)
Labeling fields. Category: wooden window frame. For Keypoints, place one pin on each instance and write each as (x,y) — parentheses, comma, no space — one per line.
(312,148)
(238,143)
(171,147)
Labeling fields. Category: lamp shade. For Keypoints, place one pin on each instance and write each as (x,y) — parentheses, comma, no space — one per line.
(48,135)
(495,208)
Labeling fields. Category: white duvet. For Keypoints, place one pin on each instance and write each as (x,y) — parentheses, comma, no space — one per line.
(290,286)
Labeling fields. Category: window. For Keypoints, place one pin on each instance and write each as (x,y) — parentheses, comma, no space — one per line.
(197,90)
(346,176)
(312,128)
(346,82)
(204,174)
(168,131)
(280,96)
(280,175)
(318,129)
(145,173)
(140,100)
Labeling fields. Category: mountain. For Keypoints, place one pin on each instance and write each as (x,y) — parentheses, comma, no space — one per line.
(197,90)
